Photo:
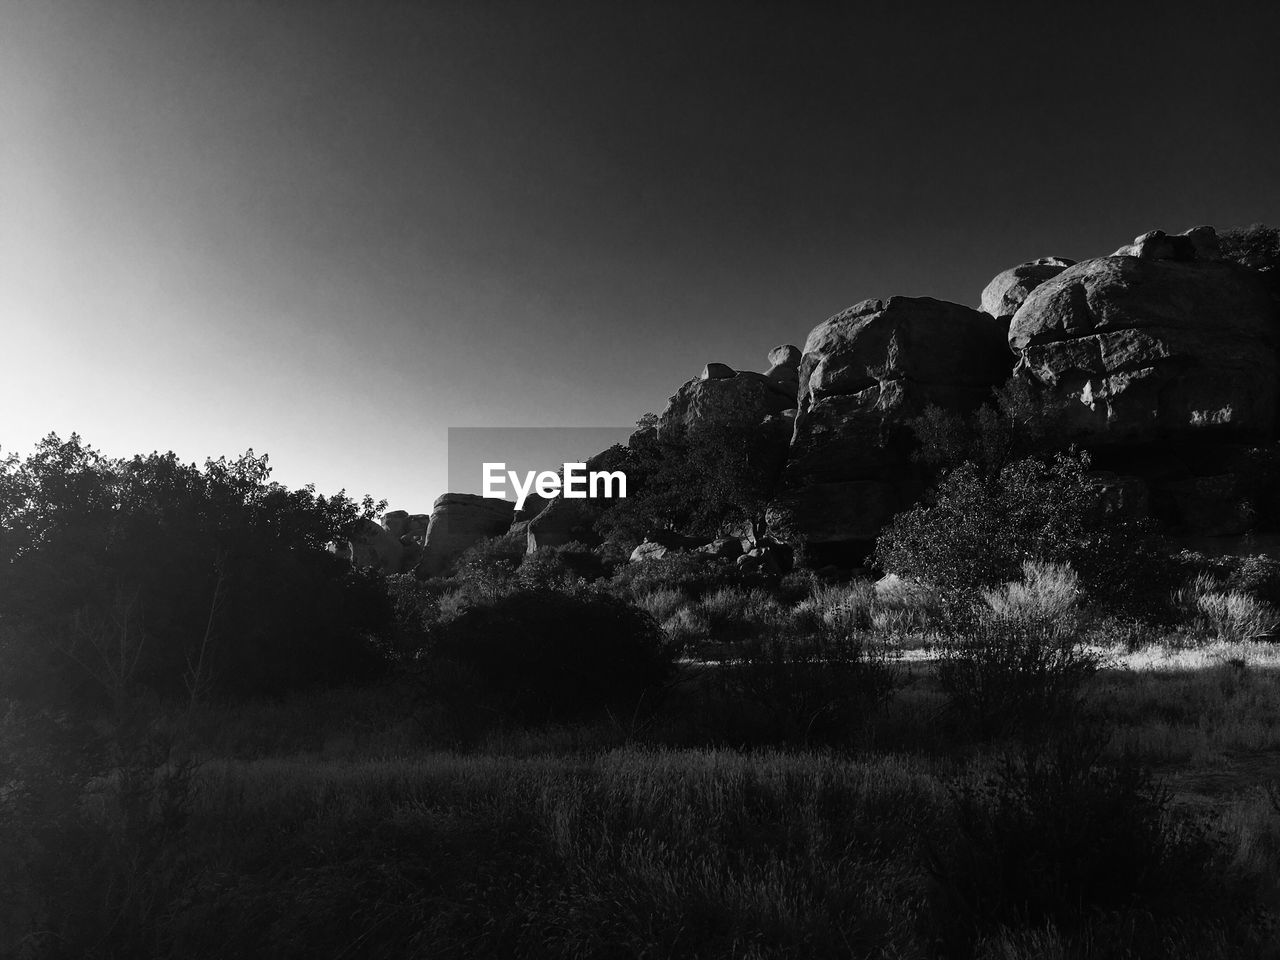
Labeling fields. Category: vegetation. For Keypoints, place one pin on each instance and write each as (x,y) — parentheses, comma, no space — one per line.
(979,528)
(700,481)
(1257,247)
(154,574)
(1036,739)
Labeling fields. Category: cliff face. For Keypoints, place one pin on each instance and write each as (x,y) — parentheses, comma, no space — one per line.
(1161,358)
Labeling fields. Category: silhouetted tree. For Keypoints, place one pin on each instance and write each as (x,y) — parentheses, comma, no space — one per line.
(154,573)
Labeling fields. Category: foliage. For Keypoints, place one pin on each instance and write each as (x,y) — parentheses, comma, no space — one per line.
(149,572)
(902,607)
(562,565)
(1232,616)
(801,688)
(694,573)
(1047,593)
(540,654)
(1257,247)
(1058,839)
(699,481)
(1014,676)
(979,529)
(1019,423)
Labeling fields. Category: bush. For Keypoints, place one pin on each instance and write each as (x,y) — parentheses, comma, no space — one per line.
(542,655)
(1014,676)
(694,573)
(1256,247)
(1235,617)
(561,566)
(733,614)
(1048,592)
(843,608)
(178,580)
(981,527)
(1057,840)
(814,688)
(901,607)
(1226,614)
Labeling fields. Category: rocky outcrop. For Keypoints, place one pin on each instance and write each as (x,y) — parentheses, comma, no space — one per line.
(571,520)
(1131,349)
(1197,244)
(722,396)
(865,372)
(459,520)
(401,524)
(1010,289)
(648,550)
(784,367)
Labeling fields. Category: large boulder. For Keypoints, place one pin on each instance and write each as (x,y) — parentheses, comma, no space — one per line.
(865,373)
(458,521)
(417,527)
(722,396)
(1010,289)
(784,367)
(1139,348)
(903,352)
(1196,244)
(565,520)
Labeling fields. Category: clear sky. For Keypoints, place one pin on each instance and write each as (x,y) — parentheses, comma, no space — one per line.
(331,231)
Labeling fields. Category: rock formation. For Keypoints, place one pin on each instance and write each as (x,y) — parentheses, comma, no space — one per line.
(865,372)
(1135,349)
(459,520)
(722,396)
(1163,359)
(1010,289)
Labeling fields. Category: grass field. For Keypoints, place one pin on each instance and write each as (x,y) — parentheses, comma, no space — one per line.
(353,824)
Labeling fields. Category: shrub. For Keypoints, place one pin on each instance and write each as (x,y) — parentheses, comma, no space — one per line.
(733,614)
(1235,617)
(1056,839)
(1014,676)
(1225,614)
(900,607)
(663,604)
(505,550)
(685,628)
(840,607)
(980,528)
(181,580)
(695,573)
(541,655)
(560,567)
(1257,247)
(1048,592)
(815,688)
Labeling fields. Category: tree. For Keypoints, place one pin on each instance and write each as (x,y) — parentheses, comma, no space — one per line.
(699,481)
(154,573)
(1257,247)
(980,527)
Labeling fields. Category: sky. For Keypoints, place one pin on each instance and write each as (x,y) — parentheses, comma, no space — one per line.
(333,231)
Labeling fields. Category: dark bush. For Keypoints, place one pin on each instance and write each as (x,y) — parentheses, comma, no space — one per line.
(694,573)
(1058,839)
(539,655)
(1010,676)
(1257,247)
(560,566)
(813,689)
(152,573)
(980,527)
